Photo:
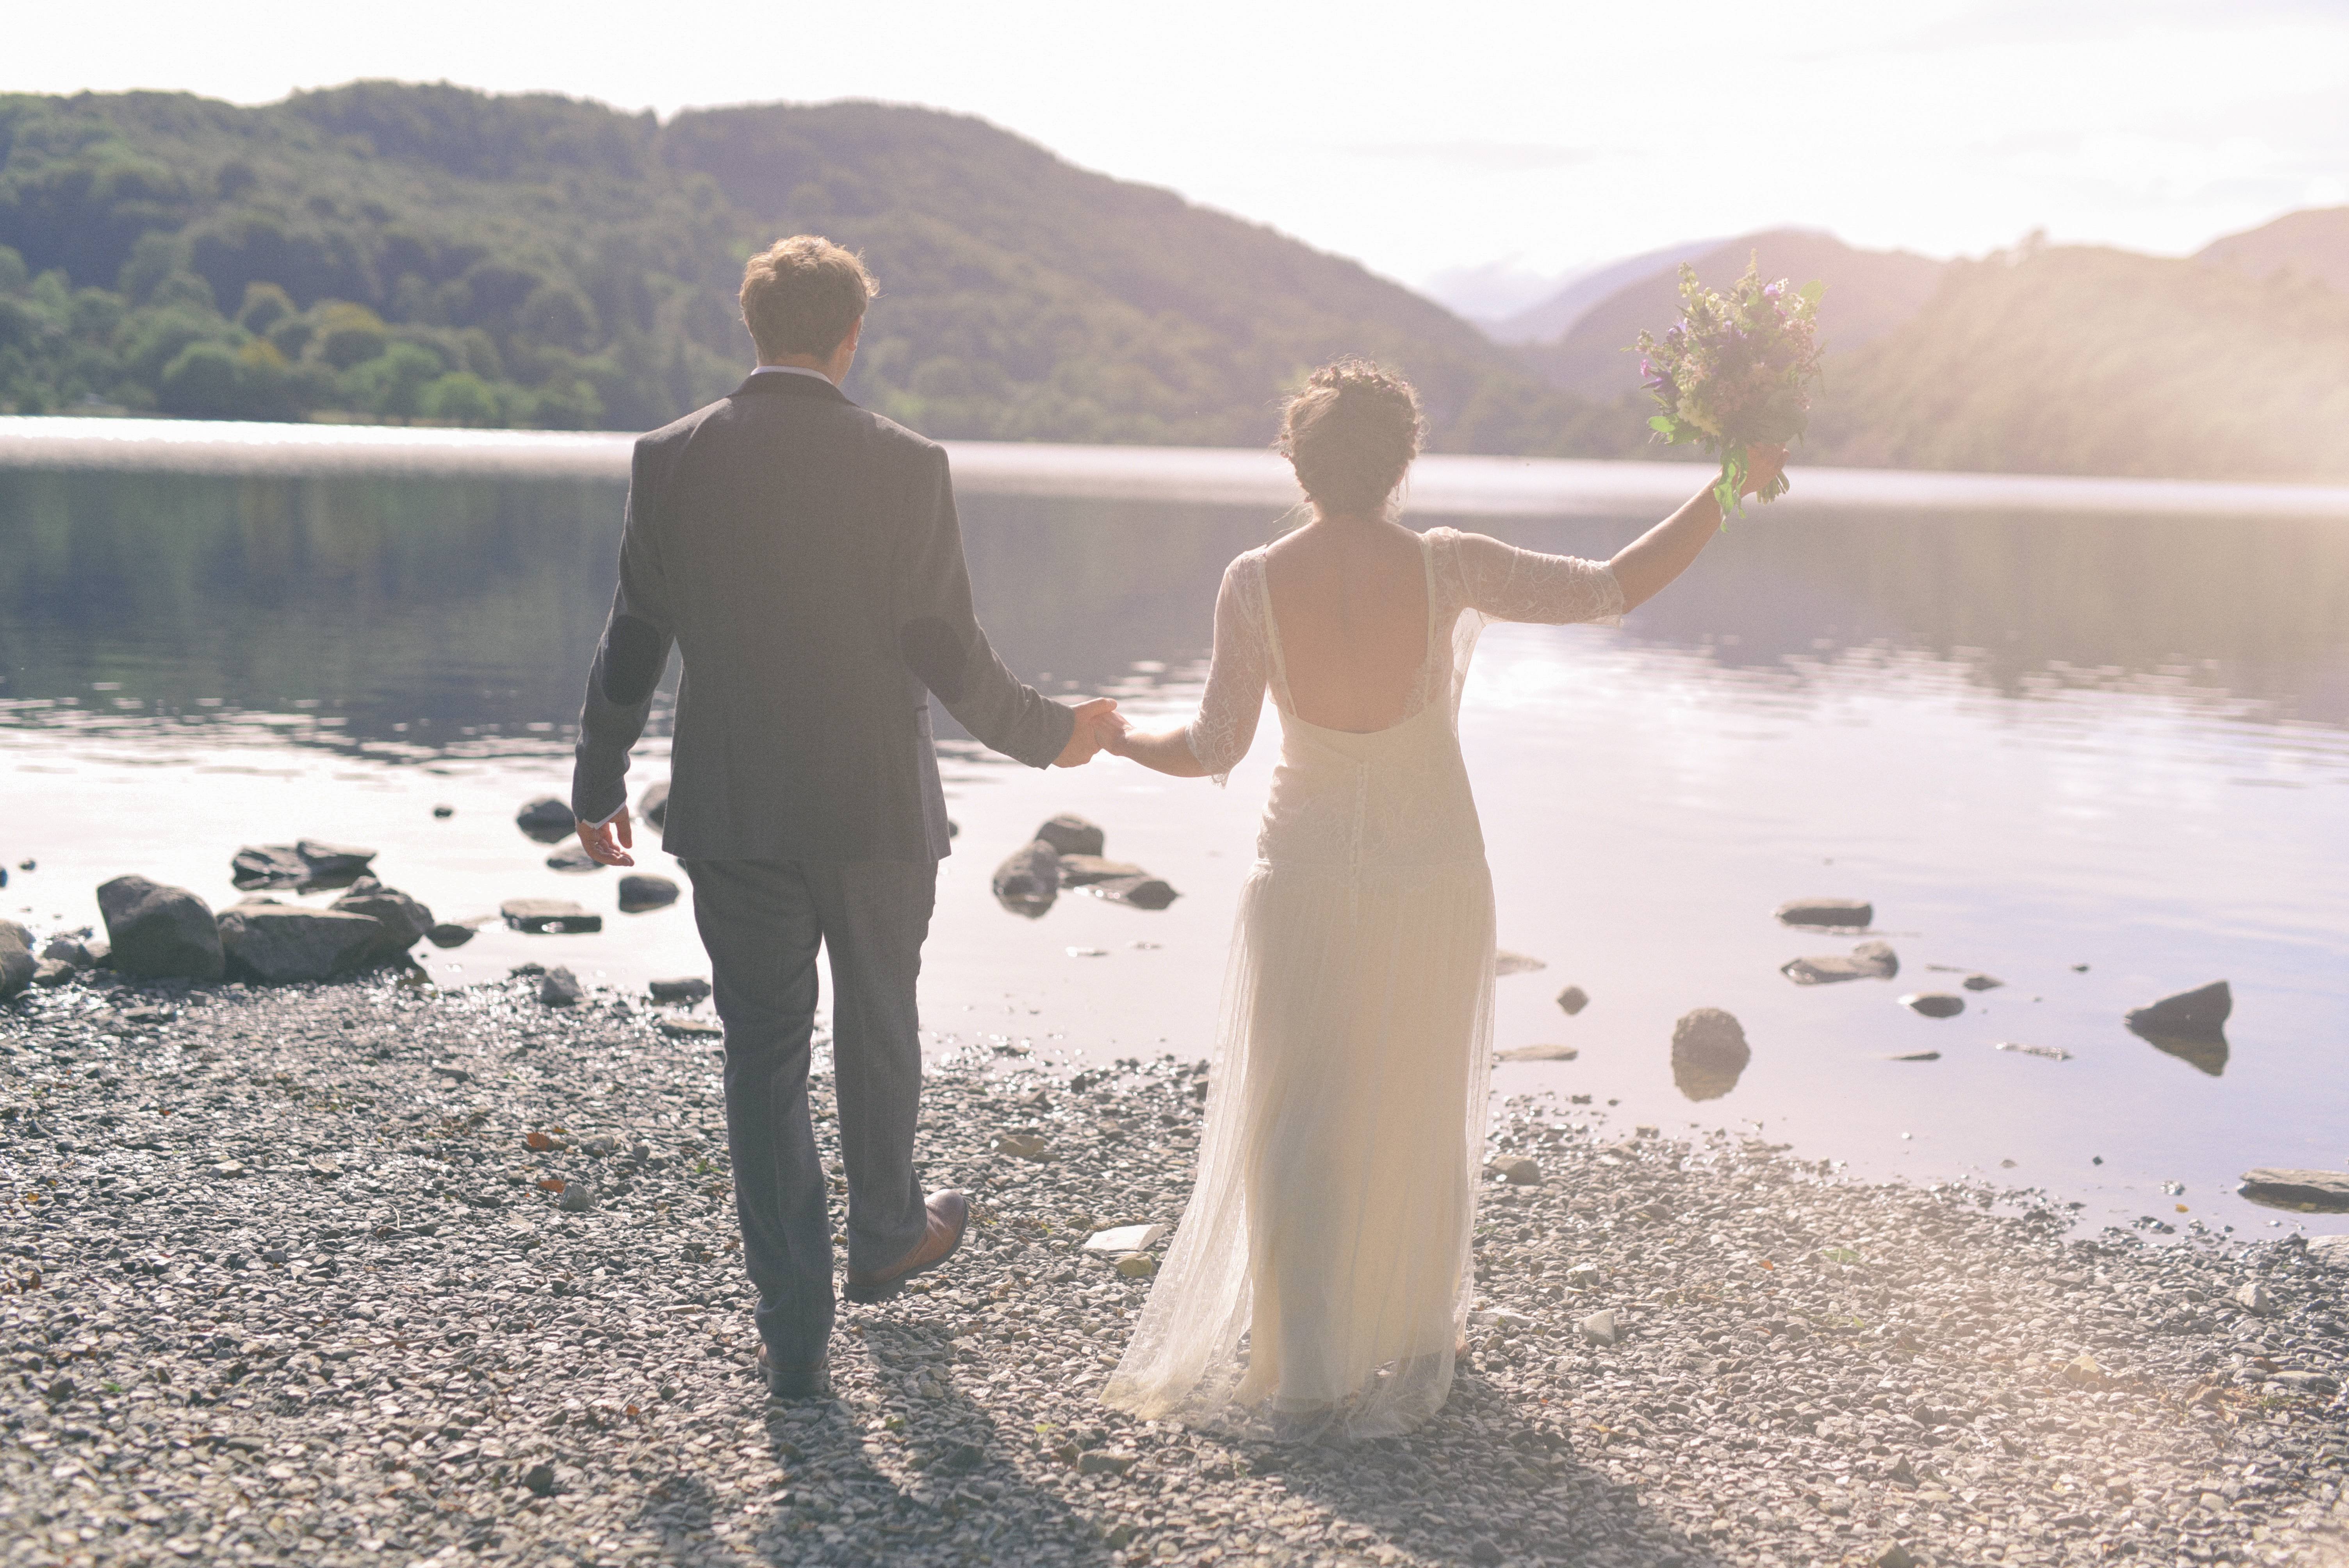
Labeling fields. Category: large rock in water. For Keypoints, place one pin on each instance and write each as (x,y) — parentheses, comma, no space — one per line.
(1934,1003)
(654,807)
(639,893)
(2189,1025)
(2196,1014)
(1083,871)
(1029,880)
(306,864)
(1869,961)
(159,933)
(18,964)
(1709,1053)
(2325,1191)
(1828,911)
(1073,835)
(546,819)
(538,916)
(1139,892)
(404,920)
(281,944)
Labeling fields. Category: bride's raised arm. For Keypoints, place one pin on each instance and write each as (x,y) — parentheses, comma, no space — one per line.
(1646,565)
(1213,743)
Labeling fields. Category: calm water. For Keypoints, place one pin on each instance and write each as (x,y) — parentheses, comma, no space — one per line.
(2036,744)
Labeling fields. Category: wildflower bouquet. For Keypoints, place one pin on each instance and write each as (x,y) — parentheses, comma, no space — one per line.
(1735,373)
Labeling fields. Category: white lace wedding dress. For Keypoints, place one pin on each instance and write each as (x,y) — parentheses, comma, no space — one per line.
(1319,1275)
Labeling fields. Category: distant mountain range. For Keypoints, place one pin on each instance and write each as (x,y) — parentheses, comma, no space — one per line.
(2232,364)
(1558,315)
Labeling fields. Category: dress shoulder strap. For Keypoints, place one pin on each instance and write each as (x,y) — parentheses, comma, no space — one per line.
(1427,574)
(1254,567)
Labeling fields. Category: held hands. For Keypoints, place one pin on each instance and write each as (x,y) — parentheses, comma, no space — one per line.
(609,844)
(1098,728)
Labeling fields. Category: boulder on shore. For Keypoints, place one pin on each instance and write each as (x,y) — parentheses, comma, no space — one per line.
(281,944)
(1709,1053)
(18,964)
(573,858)
(689,989)
(72,949)
(2323,1192)
(1572,1000)
(546,821)
(558,987)
(539,916)
(1828,911)
(159,933)
(404,921)
(450,933)
(1070,834)
(1869,961)
(653,806)
(1029,880)
(641,892)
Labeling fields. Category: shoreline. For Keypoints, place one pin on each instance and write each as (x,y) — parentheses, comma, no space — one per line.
(1440,484)
(282,1285)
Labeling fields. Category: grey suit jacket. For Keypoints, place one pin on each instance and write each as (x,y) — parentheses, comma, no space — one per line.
(804,558)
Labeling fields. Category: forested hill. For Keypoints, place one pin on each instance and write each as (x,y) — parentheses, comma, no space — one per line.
(384,251)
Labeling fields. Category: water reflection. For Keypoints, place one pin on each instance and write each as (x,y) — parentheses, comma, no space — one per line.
(420,615)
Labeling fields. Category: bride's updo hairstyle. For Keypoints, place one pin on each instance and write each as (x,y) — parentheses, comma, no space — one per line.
(1350,435)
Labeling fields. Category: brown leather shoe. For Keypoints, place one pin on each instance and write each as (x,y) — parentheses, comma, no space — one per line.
(949,1217)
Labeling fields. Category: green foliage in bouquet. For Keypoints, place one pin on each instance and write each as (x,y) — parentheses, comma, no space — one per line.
(1735,373)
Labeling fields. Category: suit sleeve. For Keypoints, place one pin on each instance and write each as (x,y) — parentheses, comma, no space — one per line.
(940,638)
(631,657)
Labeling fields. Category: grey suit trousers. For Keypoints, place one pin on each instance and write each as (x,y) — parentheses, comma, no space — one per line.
(761,922)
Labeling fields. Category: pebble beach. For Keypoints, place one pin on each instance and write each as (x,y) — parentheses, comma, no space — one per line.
(372,1273)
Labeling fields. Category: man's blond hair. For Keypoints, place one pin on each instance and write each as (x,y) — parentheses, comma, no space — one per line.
(801,296)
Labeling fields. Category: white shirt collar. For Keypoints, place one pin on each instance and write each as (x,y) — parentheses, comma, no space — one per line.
(791,370)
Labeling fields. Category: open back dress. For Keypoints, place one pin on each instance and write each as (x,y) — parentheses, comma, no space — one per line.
(1320,1274)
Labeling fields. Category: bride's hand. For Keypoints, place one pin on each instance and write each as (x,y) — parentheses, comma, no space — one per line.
(1763,467)
(1113,731)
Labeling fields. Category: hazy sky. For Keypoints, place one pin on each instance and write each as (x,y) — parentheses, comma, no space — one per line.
(1436,135)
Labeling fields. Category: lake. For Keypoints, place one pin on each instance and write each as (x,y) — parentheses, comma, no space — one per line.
(2101,753)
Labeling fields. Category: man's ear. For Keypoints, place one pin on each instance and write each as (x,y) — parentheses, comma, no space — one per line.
(846,354)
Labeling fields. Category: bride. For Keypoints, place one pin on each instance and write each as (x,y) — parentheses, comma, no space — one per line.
(1319,1281)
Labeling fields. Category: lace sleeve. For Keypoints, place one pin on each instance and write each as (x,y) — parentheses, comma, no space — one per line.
(1505,583)
(1233,700)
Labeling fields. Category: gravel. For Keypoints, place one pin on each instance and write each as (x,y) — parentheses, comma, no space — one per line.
(288,1278)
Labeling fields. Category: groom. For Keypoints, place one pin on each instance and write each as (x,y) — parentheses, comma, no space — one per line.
(803,556)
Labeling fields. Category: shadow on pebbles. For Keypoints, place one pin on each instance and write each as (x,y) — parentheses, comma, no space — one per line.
(287,1282)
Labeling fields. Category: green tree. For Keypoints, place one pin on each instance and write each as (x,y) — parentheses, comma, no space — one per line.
(461,398)
(393,382)
(202,383)
(344,334)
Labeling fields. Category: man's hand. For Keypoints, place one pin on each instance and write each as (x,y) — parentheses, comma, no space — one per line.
(601,845)
(1091,734)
